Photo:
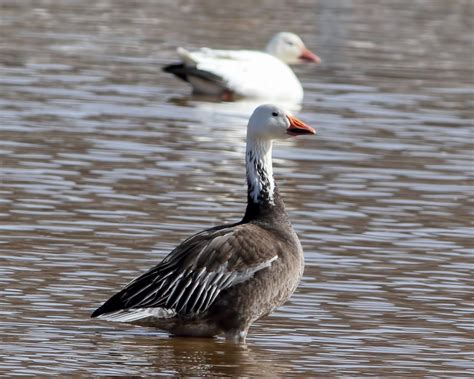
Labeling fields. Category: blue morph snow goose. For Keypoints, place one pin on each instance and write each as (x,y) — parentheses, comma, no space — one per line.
(246,73)
(221,280)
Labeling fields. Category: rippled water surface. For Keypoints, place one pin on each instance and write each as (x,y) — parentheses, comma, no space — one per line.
(106,163)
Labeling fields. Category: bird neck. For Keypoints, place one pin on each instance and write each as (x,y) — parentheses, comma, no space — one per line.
(262,198)
(274,53)
(272,49)
(260,182)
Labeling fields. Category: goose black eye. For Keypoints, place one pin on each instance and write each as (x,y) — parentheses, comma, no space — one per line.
(290,43)
(274,114)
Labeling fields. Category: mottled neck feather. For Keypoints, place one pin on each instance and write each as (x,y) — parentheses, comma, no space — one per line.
(263,197)
(260,171)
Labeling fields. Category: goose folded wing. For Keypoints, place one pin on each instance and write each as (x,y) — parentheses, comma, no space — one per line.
(190,278)
(241,71)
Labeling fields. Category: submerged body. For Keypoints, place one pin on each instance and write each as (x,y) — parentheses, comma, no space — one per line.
(221,280)
(245,73)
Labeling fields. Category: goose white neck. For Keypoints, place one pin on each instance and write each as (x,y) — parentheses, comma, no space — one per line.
(261,186)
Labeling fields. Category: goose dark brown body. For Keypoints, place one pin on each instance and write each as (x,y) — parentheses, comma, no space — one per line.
(221,280)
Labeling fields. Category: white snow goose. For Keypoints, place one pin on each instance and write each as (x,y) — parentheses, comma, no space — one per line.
(231,74)
(221,280)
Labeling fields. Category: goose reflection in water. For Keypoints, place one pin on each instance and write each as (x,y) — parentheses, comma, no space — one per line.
(210,357)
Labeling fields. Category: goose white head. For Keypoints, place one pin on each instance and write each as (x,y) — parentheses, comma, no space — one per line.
(290,49)
(269,122)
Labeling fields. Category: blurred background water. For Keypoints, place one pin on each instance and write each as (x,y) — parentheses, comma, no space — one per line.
(106,163)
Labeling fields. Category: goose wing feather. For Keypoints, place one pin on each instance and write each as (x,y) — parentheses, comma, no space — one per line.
(193,275)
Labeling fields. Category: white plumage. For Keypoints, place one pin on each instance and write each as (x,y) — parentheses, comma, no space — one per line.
(246,73)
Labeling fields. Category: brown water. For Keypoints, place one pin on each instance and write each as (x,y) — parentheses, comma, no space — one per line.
(106,164)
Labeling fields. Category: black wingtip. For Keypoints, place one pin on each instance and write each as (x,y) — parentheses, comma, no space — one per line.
(172,68)
(96,313)
(108,306)
(111,305)
(177,69)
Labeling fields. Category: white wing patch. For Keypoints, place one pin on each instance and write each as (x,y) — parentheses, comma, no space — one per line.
(135,314)
(247,274)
